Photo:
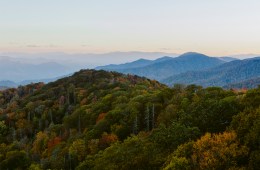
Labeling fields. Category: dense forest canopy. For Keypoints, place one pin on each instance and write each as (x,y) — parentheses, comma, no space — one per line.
(107,120)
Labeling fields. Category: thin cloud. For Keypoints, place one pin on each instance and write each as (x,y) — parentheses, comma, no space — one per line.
(52,46)
(165,49)
(33,46)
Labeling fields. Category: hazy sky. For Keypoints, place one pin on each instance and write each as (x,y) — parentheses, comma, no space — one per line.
(214,27)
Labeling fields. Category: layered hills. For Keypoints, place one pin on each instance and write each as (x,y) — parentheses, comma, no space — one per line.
(195,68)
(233,72)
(164,67)
(17,71)
(101,120)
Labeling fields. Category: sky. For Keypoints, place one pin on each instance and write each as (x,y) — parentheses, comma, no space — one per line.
(219,27)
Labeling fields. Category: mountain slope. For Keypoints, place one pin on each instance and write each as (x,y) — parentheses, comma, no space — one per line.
(101,120)
(134,64)
(12,84)
(228,73)
(165,67)
(228,59)
(248,84)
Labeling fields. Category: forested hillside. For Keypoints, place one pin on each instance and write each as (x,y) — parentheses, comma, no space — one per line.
(107,120)
(248,84)
(234,72)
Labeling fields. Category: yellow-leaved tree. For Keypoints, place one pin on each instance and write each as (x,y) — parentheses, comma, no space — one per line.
(211,151)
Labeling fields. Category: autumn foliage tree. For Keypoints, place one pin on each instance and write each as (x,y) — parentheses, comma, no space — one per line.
(211,151)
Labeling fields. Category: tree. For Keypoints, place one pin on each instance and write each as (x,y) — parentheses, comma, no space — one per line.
(134,153)
(221,151)
(40,143)
(174,135)
(107,139)
(247,126)
(180,158)
(78,149)
(168,115)
(3,131)
(34,167)
(15,160)
(211,151)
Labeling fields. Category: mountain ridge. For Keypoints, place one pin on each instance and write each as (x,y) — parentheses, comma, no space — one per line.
(18,71)
(222,75)
(165,67)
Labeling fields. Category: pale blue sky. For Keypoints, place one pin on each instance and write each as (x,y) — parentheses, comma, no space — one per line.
(218,27)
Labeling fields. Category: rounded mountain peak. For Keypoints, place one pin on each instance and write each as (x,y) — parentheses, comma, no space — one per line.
(192,55)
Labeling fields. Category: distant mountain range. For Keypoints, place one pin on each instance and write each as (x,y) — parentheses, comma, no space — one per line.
(11,84)
(167,66)
(18,71)
(135,64)
(7,83)
(196,68)
(234,72)
(18,67)
(188,68)
(79,61)
(3,88)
